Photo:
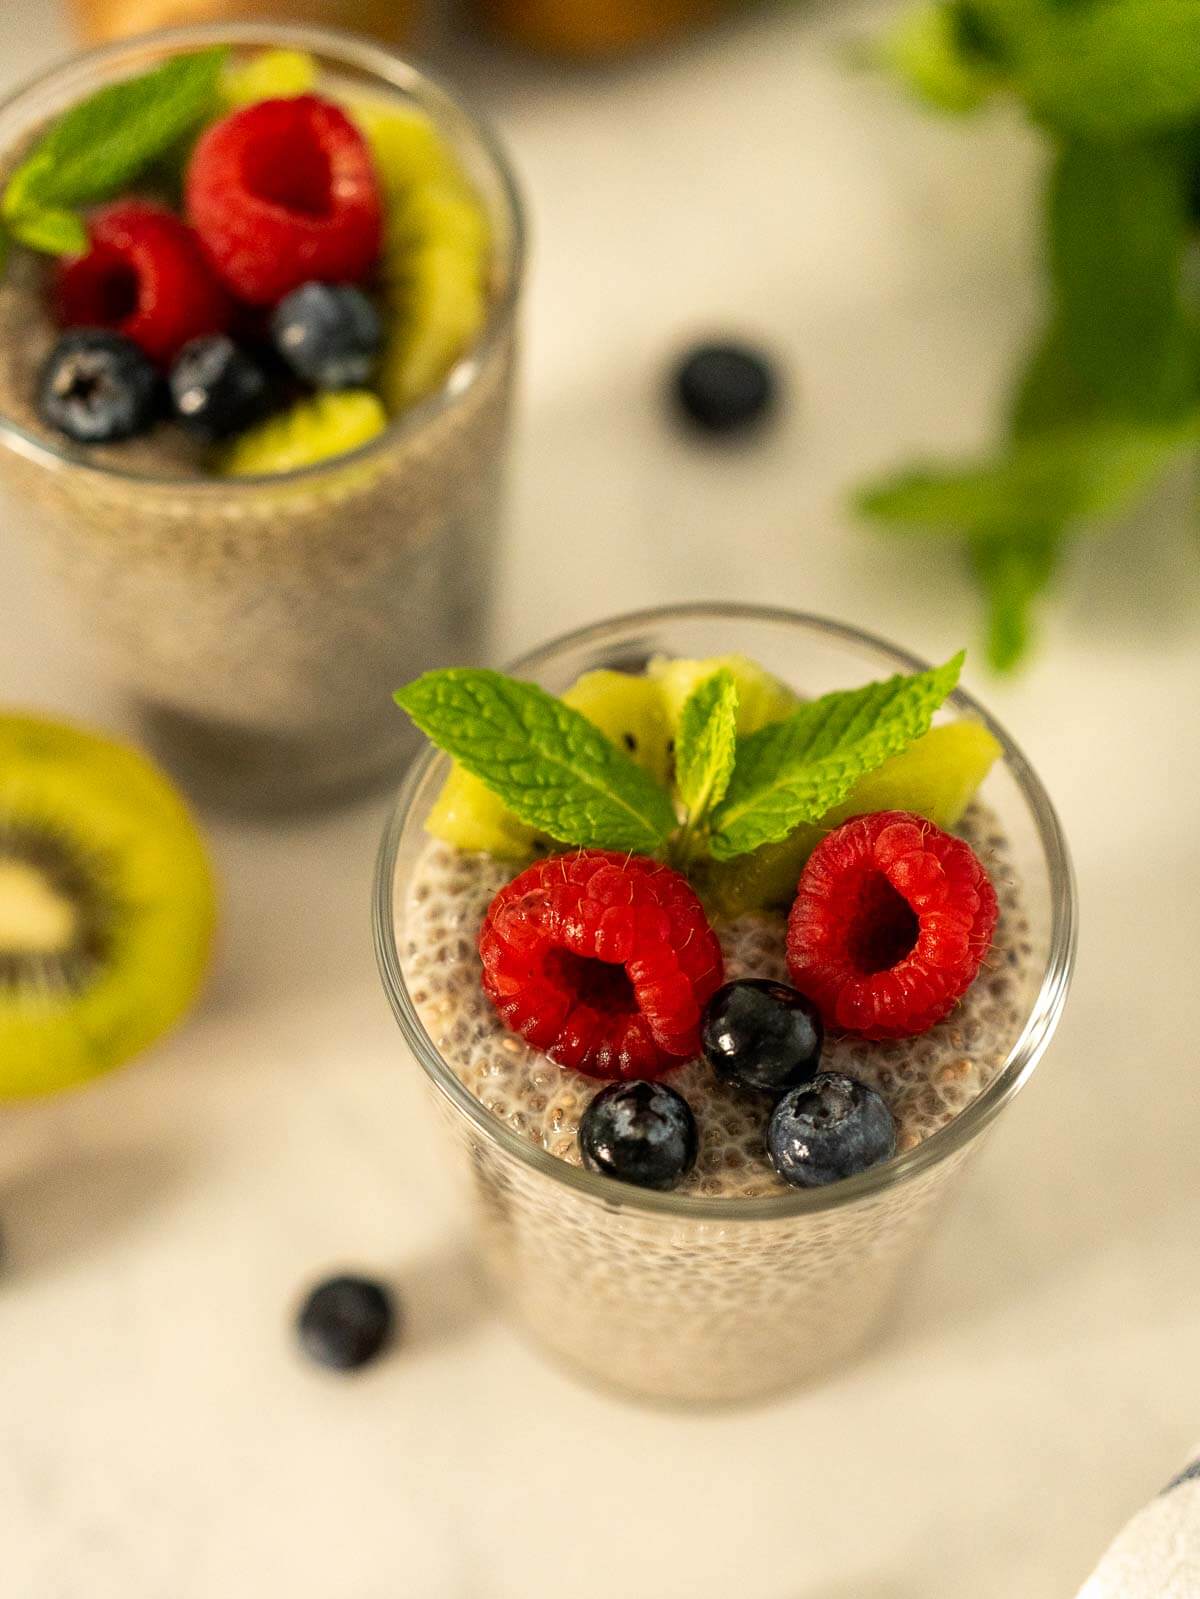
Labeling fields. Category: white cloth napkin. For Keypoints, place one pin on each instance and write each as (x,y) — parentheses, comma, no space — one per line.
(1157,1556)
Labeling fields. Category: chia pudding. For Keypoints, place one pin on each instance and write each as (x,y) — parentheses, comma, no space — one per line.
(761,1266)
(259,620)
(926,1081)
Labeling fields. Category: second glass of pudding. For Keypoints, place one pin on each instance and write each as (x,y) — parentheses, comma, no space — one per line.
(733,1285)
(258,622)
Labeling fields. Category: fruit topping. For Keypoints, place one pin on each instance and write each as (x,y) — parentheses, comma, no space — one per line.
(284,192)
(97,387)
(725,388)
(106,905)
(891,924)
(437,307)
(833,1127)
(641,1133)
(936,778)
(762,1035)
(313,430)
(346,1322)
(627,709)
(436,252)
(329,334)
(604,961)
(145,276)
(761,697)
(270,75)
(467,815)
(216,389)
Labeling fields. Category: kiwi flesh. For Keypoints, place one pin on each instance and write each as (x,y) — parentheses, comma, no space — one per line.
(107,905)
(436,252)
(761,697)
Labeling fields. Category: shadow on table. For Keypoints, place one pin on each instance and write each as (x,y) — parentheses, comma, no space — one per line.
(445,1295)
(63,1207)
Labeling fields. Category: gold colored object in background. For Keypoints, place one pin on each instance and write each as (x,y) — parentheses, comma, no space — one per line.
(98,20)
(595,28)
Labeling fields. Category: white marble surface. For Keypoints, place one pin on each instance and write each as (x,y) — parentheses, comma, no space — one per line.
(157,1434)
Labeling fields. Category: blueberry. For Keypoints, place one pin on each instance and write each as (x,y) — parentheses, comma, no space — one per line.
(763,1035)
(329,334)
(216,389)
(828,1130)
(98,387)
(346,1321)
(724,388)
(641,1133)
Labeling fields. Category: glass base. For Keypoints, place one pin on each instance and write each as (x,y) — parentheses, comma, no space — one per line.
(255,771)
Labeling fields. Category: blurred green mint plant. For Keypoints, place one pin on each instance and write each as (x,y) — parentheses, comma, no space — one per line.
(1109,395)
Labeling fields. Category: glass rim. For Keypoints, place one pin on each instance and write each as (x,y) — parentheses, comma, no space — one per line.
(384,64)
(1022,1058)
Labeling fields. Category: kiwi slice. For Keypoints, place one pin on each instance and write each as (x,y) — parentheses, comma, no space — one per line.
(269,75)
(628,710)
(318,429)
(469,816)
(436,252)
(936,777)
(761,697)
(106,905)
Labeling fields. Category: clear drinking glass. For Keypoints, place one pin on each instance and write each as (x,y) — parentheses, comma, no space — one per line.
(680,1298)
(260,624)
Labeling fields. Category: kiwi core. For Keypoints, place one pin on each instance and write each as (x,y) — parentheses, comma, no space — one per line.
(52,922)
(35,917)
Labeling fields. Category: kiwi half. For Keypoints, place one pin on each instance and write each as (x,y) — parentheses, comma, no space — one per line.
(107,905)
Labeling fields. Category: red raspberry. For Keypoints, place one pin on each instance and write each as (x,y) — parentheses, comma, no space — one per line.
(145,276)
(891,924)
(604,961)
(284,192)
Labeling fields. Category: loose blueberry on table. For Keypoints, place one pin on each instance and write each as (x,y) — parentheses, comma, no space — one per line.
(666,810)
(346,1322)
(725,388)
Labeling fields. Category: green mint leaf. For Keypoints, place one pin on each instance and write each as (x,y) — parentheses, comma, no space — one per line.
(51,231)
(103,143)
(552,768)
(1118,233)
(933,52)
(795,770)
(705,743)
(1069,476)
(1049,395)
(1116,69)
(1013,568)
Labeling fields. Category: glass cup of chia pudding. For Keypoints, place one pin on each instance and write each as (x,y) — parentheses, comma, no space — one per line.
(307,511)
(777,1238)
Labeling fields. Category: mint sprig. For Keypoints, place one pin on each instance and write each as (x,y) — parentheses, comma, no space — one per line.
(1109,397)
(559,774)
(796,770)
(705,744)
(103,144)
(553,768)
